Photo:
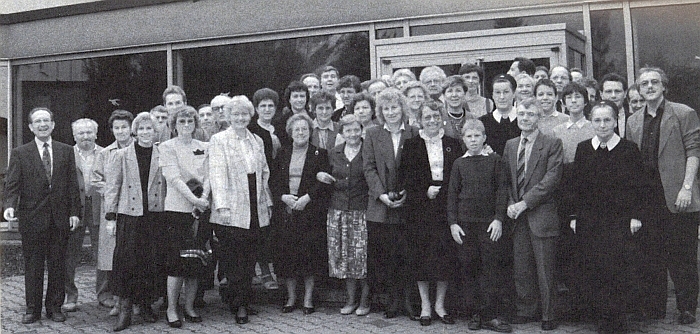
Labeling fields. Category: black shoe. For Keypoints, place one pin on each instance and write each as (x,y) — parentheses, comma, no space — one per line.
(425,321)
(30,318)
(447,319)
(474,323)
(288,308)
(686,318)
(192,319)
(390,314)
(175,324)
(497,325)
(124,317)
(251,310)
(308,310)
(549,325)
(242,320)
(56,316)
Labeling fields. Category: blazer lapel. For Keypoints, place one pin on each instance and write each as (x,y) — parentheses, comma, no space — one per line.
(513,164)
(665,128)
(387,148)
(38,163)
(636,125)
(154,167)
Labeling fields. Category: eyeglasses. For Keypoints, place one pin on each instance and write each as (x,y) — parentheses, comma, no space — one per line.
(183,121)
(219,108)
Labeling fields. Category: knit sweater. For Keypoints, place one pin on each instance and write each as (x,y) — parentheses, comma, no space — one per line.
(478,190)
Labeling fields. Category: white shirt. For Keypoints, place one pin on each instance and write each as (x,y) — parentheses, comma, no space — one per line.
(395,137)
(435,156)
(609,145)
(40,147)
(579,124)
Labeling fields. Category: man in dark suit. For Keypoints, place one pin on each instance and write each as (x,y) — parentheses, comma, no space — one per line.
(41,191)
(613,88)
(535,163)
(668,135)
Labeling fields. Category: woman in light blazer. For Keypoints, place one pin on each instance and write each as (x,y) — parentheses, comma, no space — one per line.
(135,190)
(241,200)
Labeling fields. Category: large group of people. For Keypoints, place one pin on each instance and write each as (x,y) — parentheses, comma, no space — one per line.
(405,187)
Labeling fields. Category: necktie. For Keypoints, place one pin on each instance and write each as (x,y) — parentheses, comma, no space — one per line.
(521,168)
(46,159)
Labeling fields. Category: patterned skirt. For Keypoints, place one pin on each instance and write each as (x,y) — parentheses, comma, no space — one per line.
(347,244)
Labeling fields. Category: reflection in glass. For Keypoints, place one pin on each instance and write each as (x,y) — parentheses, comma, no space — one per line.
(389,33)
(608,41)
(573,21)
(244,68)
(92,87)
(670,46)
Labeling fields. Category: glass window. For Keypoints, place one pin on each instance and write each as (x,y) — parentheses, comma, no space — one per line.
(608,41)
(669,37)
(92,88)
(573,20)
(389,33)
(244,68)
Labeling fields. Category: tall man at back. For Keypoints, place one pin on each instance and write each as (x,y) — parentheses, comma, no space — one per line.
(41,191)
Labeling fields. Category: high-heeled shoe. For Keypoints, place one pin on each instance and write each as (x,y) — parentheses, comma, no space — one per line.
(308,310)
(348,309)
(241,320)
(193,319)
(288,308)
(173,324)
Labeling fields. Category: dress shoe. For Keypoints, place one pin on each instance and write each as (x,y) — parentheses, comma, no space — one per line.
(69,307)
(175,324)
(193,318)
(30,318)
(242,320)
(686,318)
(125,311)
(56,316)
(519,320)
(425,321)
(447,319)
(549,325)
(474,323)
(348,309)
(497,325)
(288,308)
(308,310)
(109,302)
(390,314)
(362,311)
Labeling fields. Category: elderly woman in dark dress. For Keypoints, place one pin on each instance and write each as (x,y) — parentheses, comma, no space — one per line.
(347,227)
(135,190)
(608,209)
(241,201)
(301,204)
(425,179)
(183,162)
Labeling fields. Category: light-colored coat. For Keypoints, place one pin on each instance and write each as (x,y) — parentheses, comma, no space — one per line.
(123,193)
(679,138)
(86,190)
(98,181)
(229,180)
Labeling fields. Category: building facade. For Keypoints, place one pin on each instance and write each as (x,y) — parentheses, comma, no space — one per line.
(85,58)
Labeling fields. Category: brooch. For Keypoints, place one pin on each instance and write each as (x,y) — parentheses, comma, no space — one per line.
(449,149)
(198,152)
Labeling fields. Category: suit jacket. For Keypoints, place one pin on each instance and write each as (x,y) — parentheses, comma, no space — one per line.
(679,138)
(87,191)
(542,176)
(316,161)
(123,193)
(416,178)
(381,167)
(38,201)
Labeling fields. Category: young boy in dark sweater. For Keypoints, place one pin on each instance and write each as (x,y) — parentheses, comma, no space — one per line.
(476,209)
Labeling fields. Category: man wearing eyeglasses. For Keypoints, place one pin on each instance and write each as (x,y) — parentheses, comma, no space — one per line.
(668,135)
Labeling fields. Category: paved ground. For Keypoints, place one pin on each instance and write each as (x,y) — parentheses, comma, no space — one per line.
(91,318)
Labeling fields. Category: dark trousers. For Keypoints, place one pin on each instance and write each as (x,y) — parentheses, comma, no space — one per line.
(387,258)
(160,254)
(670,244)
(48,246)
(238,249)
(73,255)
(534,260)
(132,270)
(487,270)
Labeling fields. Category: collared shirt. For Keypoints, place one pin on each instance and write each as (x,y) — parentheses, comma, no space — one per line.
(650,137)
(435,156)
(547,122)
(610,145)
(528,146)
(323,132)
(395,137)
(482,153)
(40,147)
(85,162)
(571,134)
(497,115)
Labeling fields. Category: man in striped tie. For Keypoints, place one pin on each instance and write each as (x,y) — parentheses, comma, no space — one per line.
(535,163)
